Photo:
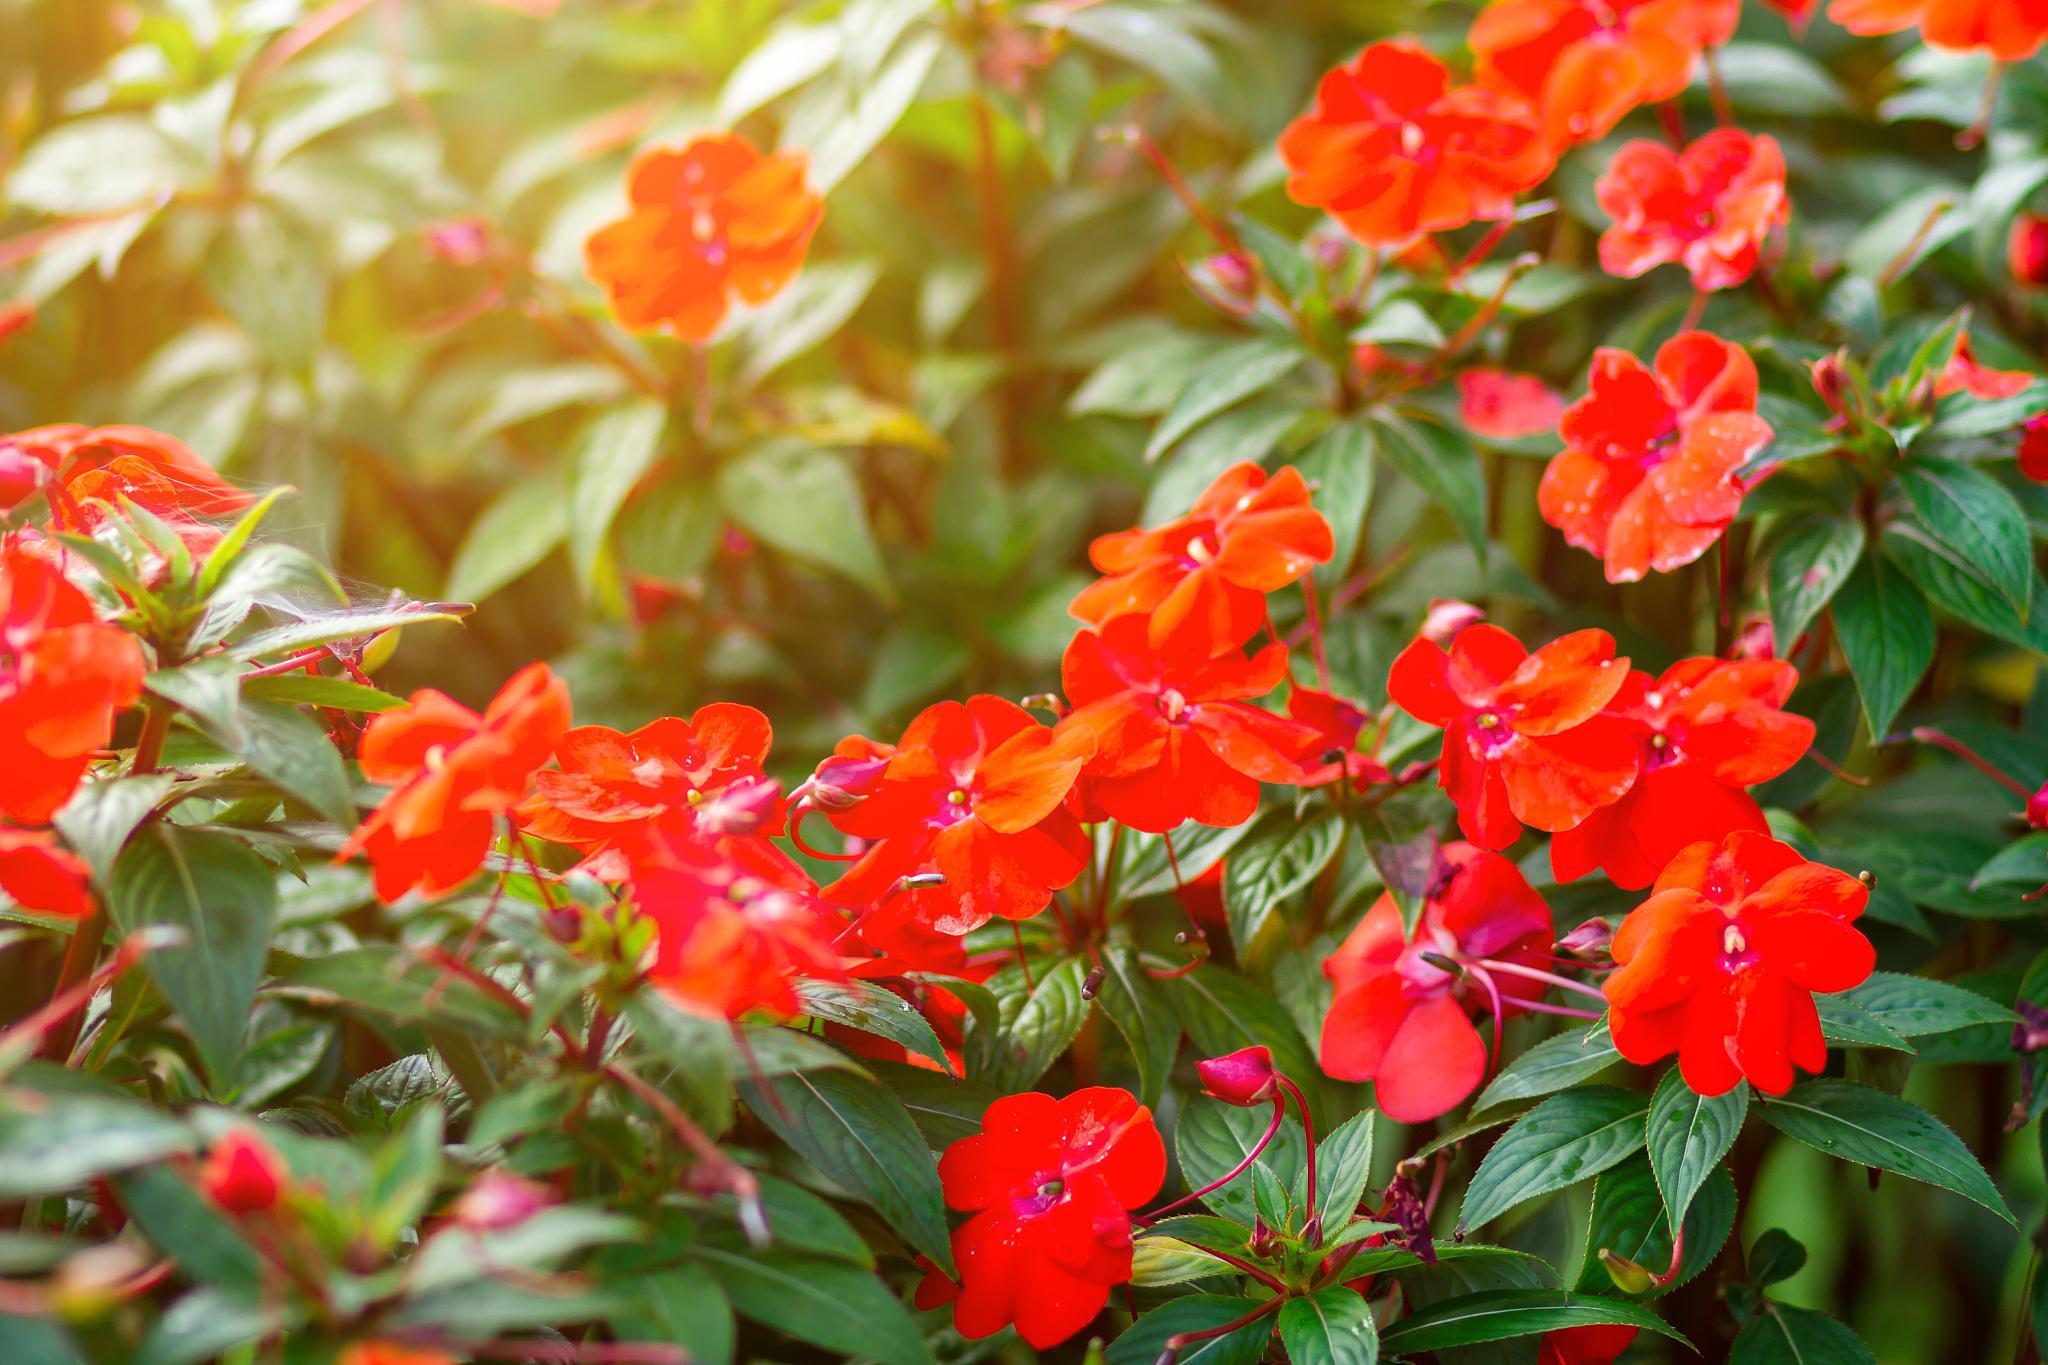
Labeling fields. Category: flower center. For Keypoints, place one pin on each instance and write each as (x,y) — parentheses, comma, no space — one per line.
(1412,139)
(1172,705)
(1200,550)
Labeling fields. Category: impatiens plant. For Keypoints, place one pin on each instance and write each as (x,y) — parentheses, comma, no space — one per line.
(1110,681)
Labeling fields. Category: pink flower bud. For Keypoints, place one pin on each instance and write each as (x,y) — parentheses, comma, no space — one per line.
(1589,941)
(1757,641)
(1831,380)
(499,1200)
(459,241)
(1244,1078)
(1446,617)
(2026,250)
(2037,808)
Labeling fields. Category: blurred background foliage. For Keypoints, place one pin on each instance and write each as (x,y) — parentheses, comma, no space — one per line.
(339,246)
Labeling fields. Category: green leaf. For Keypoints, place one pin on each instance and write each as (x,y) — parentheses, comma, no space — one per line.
(1144,1340)
(684,1305)
(1560,1142)
(1959,588)
(1444,465)
(1196,848)
(1916,1006)
(289,747)
(1502,1314)
(328,628)
(224,898)
(1857,1123)
(1333,1326)
(806,314)
(1035,1026)
(1688,1136)
(1157,1260)
(385,979)
(100,816)
(1225,379)
(609,455)
(828,1303)
(1154,40)
(267,273)
(873,1009)
(1844,1021)
(1971,514)
(1887,635)
(1143,1012)
(804,502)
(1212,1137)
(860,1136)
(1629,1219)
(1552,1065)
(337,694)
(1223,1012)
(1283,856)
(1783,1335)
(36,1341)
(1401,839)
(1807,567)
(405,1174)
(1774,1257)
(173,1214)
(1343,1166)
(522,526)
(1340,465)
(201,1326)
(59,1139)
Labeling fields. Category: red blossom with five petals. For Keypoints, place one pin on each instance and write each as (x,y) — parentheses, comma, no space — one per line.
(1721,963)
(1049,1183)
(1393,150)
(453,772)
(2010,30)
(1202,579)
(736,928)
(1526,737)
(1404,1022)
(1647,479)
(1176,737)
(1504,406)
(975,792)
(1707,729)
(1584,64)
(1708,208)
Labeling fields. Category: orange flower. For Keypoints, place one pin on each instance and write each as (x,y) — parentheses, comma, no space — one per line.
(616,792)
(976,792)
(42,876)
(1706,729)
(158,472)
(1177,737)
(2010,30)
(1504,406)
(710,220)
(63,677)
(1526,740)
(393,1353)
(1202,579)
(1708,208)
(1721,962)
(1586,63)
(1964,375)
(454,772)
(1647,477)
(736,928)
(1392,150)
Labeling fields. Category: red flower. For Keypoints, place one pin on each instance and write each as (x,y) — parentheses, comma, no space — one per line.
(1596,1345)
(2033,448)
(709,221)
(1585,63)
(1338,724)
(1202,579)
(64,675)
(242,1174)
(2026,250)
(1720,964)
(158,472)
(42,876)
(616,792)
(736,928)
(454,772)
(1404,1022)
(1503,406)
(1176,738)
(393,1352)
(1391,150)
(1049,1182)
(1964,375)
(1706,730)
(1707,208)
(2010,30)
(976,793)
(1647,477)
(1525,740)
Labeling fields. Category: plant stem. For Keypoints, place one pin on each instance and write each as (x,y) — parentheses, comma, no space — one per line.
(1279,1113)
(1536,974)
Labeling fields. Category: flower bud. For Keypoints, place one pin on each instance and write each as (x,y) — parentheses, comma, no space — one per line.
(1757,641)
(2026,250)
(1831,380)
(499,1199)
(1628,1277)
(242,1174)
(459,241)
(1589,941)
(1446,617)
(2033,451)
(2037,808)
(1234,276)
(1244,1078)
(842,783)
(89,1284)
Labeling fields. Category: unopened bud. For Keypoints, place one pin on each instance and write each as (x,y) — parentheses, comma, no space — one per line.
(1628,1277)
(459,241)
(2026,250)
(1091,985)
(1589,941)
(1446,617)
(1244,1078)
(242,1174)
(91,1283)
(1831,380)
(499,1199)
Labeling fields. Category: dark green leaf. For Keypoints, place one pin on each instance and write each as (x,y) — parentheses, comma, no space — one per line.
(873,1009)
(1340,464)
(1444,465)
(1283,856)
(1783,1335)
(828,1303)
(1343,1167)
(1806,568)
(1869,1127)
(1143,1012)
(804,502)
(1551,1066)
(1035,1025)
(1887,635)
(1972,515)
(1560,1142)
(1144,1340)
(1212,1138)
(1915,1006)
(1501,1314)
(1332,1326)
(1688,1136)
(1223,380)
